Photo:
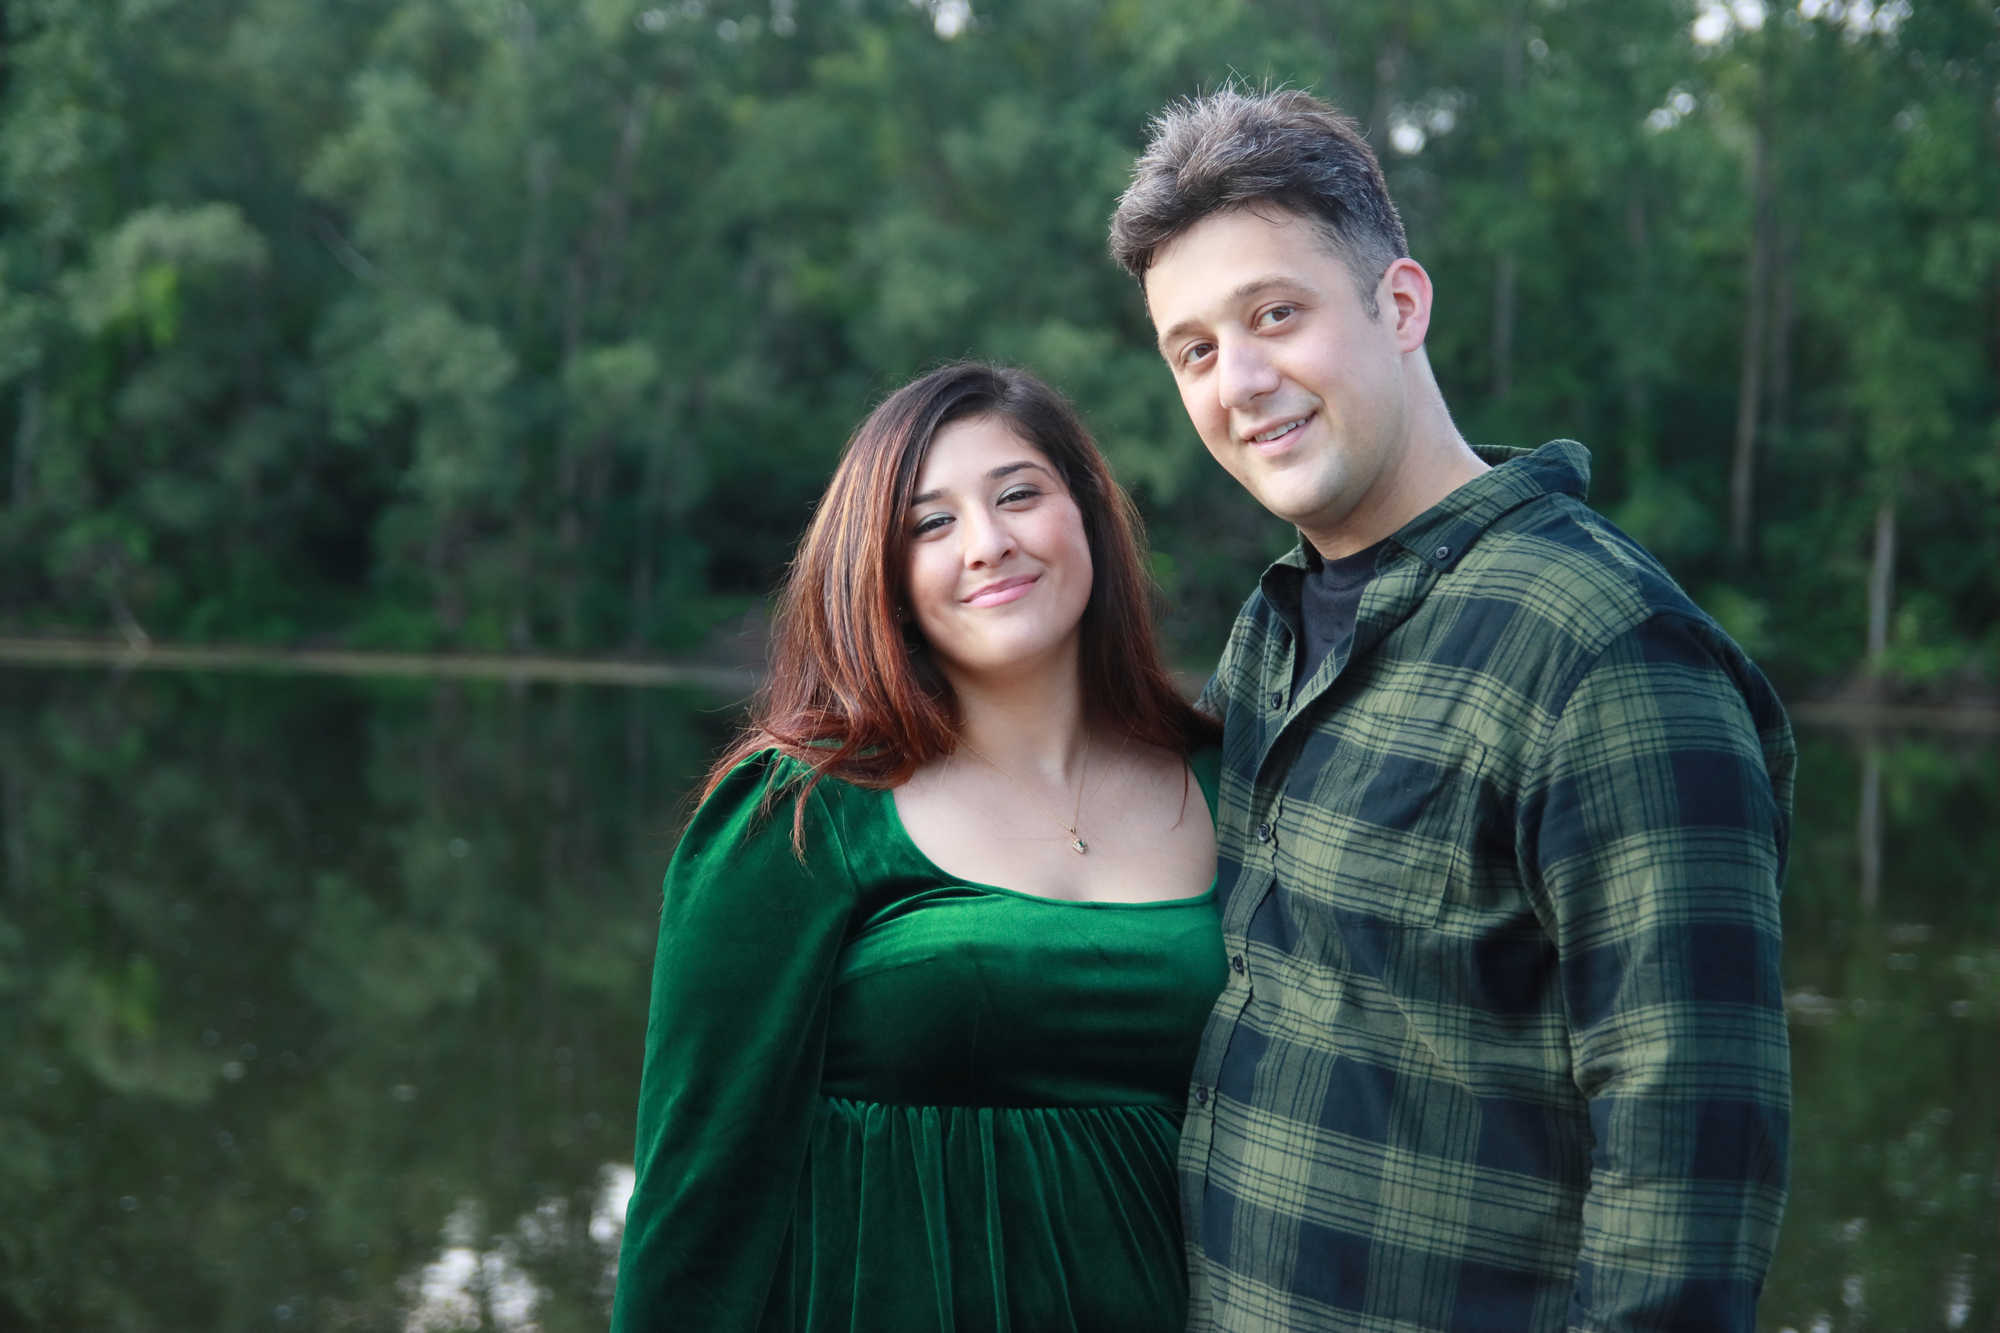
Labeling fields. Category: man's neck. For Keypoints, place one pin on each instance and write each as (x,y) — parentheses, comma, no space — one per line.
(1435,461)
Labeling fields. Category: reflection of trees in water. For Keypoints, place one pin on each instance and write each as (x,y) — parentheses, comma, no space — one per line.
(302,972)
(330,1000)
(465,1287)
(1892,971)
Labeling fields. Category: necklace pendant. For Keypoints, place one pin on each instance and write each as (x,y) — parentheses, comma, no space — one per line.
(1079,846)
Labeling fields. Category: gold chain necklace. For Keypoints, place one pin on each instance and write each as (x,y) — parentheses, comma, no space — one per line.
(1076,842)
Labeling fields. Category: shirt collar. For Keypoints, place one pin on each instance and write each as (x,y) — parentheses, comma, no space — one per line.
(1447,530)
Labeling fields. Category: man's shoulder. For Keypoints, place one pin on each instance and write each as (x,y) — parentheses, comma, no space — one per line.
(1541,593)
(1571,573)
(1582,595)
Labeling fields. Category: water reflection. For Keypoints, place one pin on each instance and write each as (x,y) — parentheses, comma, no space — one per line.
(326,999)
(467,1287)
(325,1006)
(1892,967)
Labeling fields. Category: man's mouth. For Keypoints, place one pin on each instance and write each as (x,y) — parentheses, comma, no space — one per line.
(1280,433)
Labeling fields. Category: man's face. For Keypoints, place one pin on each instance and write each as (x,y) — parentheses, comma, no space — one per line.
(1297,392)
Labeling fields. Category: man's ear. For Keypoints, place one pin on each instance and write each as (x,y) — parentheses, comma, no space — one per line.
(1405,296)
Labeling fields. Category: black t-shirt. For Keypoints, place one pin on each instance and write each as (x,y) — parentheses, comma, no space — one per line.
(1329,596)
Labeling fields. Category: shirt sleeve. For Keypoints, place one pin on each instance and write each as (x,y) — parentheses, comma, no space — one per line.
(1210,702)
(1655,837)
(734,1042)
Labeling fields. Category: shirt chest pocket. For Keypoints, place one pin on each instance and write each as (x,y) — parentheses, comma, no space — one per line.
(1383,831)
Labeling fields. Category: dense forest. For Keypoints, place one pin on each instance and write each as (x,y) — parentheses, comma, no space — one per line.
(510,325)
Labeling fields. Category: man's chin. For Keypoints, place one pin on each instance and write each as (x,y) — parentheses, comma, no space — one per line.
(1298,506)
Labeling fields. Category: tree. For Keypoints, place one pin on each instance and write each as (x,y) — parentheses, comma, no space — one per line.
(459,323)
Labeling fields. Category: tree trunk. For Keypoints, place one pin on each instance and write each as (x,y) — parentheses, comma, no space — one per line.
(1881,587)
(440,562)
(1868,830)
(617,198)
(652,481)
(521,621)
(26,436)
(128,624)
(1511,79)
(569,541)
(540,164)
(1638,399)
(1749,390)
(1503,328)
(1784,314)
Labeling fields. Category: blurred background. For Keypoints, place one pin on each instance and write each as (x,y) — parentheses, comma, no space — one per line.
(535,328)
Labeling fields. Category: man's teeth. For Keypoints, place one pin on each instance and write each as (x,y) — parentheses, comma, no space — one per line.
(1276,431)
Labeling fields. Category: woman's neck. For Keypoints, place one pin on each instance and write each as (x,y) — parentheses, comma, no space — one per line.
(1028,719)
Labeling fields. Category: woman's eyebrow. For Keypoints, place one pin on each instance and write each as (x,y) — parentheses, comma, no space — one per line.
(1004,470)
(1008,469)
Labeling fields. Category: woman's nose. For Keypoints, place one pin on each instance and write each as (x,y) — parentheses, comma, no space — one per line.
(987,541)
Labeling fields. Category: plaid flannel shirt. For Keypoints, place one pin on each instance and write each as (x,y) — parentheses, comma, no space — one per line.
(1503,1046)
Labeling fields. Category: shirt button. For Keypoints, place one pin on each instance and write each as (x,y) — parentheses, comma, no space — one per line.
(1277,698)
(1442,553)
(1237,963)
(1201,1096)
(1263,833)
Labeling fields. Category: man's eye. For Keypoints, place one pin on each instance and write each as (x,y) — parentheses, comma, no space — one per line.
(1195,352)
(1277,314)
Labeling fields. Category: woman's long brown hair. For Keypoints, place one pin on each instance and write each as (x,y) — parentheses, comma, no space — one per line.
(852,691)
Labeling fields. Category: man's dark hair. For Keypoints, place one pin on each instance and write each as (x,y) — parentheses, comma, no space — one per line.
(1233,149)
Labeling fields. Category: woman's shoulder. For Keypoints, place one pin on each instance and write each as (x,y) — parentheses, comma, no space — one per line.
(761,788)
(771,806)
(777,769)
(765,776)
(1205,762)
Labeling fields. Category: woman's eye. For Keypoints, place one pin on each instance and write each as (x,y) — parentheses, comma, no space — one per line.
(931,524)
(1015,494)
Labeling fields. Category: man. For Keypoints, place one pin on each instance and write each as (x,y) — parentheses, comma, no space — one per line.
(1503,816)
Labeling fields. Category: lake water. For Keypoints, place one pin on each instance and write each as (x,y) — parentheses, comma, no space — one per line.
(325,1004)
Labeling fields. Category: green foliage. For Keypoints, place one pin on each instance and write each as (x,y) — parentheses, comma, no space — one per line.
(459,322)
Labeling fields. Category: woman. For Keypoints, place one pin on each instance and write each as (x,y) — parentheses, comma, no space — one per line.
(938,945)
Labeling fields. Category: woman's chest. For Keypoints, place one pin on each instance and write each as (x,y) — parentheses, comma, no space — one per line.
(965,997)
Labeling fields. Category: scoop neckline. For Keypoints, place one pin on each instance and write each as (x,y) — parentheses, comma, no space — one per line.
(888,797)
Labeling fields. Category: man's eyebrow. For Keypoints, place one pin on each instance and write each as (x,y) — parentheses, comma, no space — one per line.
(1004,470)
(1254,287)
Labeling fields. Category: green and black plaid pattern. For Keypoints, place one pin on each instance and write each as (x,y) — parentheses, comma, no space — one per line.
(1503,1046)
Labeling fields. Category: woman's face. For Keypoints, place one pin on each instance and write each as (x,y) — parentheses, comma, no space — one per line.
(999,567)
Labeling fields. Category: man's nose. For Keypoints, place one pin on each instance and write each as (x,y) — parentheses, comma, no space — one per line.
(1246,373)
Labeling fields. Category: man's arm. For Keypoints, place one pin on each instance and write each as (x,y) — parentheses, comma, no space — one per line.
(1210,700)
(1654,838)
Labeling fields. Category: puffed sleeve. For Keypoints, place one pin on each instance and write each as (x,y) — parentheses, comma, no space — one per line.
(734,1042)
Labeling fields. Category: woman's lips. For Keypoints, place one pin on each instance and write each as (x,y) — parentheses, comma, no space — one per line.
(1006,590)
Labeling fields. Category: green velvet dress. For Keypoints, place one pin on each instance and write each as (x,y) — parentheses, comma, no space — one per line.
(878,1099)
